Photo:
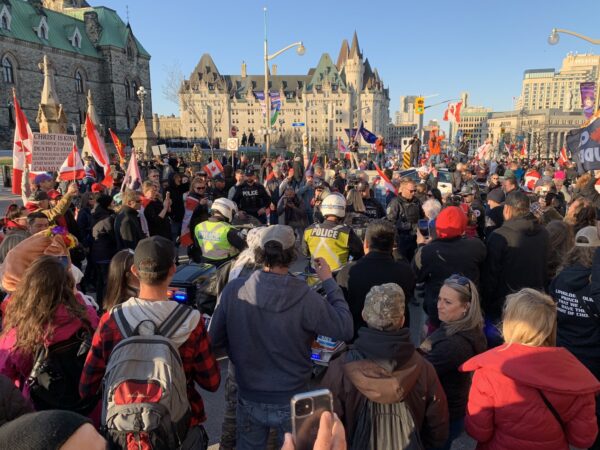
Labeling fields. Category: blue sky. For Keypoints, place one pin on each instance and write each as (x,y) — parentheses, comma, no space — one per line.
(426,47)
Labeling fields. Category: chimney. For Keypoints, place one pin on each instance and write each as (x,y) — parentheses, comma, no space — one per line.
(92,26)
(244,69)
(274,70)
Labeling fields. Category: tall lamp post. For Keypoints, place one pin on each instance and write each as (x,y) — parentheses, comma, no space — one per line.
(554,38)
(300,50)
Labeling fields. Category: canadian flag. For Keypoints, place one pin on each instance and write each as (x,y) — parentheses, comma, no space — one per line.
(186,234)
(563,159)
(98,151)
(452,112)
(531,178)
(213,168)
(72,168)
(482,152)
(133,179)
(22,146)
(386,181)
(342,148)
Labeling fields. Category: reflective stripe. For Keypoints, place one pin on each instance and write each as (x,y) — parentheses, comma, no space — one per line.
(333,248)
(212,237)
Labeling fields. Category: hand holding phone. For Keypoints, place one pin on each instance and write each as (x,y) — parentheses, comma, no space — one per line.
(307,409)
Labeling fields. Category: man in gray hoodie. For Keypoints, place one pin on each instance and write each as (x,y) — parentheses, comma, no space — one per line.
(267,322)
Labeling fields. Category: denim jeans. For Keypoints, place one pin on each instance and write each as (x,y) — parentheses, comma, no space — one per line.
(254,421)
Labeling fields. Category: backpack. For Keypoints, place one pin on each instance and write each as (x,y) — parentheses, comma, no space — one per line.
(145,404)
(54,379)
(380,425)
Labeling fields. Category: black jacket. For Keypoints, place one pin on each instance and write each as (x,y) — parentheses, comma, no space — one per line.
(494,218)
(373,269)
(251,198)
(516,258)
(128,228)
(577,331)
(373,209)
(104,244)
(405,214)
(177,206)
(436,261)
(157,226)
(447,353)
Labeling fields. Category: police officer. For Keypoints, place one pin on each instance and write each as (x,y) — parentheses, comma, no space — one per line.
(373,209)
(405,211)
(252,197)
(216,238)
(332,240)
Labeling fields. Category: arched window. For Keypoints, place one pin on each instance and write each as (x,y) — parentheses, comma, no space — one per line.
(43,29)
(7,71)
(78,82)
(76,41)
(130,50)
(128,118)
(127,90)
(135,89)
(5,18)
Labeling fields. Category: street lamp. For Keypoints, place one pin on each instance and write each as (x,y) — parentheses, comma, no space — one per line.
(554,37)
(300,50)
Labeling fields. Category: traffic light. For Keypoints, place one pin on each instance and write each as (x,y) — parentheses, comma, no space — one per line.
(305,140)
(420,105)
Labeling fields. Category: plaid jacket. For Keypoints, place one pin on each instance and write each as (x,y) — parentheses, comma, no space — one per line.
(199,363)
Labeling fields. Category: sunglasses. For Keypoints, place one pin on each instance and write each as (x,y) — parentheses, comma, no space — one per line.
(200,188)
(461,280)
(412,191)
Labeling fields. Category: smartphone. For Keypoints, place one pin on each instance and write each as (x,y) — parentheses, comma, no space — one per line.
(306,414)
(423,225)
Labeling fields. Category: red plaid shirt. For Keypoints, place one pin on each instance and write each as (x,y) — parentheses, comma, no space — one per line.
(199,363)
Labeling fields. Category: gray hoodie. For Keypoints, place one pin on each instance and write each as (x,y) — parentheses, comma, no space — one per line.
(267,323)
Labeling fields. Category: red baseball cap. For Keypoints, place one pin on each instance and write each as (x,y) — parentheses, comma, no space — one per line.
(53,194)
(451,222)
(97,187)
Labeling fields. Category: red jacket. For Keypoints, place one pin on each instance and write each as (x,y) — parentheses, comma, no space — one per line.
(505,408)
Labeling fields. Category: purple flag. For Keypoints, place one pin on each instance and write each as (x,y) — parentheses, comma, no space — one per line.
(588,98)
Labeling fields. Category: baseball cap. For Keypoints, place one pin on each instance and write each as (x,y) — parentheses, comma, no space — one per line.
(308,173)
(39,179)
(53,194)
(282,234)
(250,171)
(154,255)
(219,177)
(384,307)
(587,237)
(451,222)
(496,195)
(466,190)
(97,187)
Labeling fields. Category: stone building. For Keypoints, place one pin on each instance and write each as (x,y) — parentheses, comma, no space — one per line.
(166,127)
(90,48)
(331,97)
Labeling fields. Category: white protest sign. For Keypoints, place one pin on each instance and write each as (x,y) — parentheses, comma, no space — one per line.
(50,151)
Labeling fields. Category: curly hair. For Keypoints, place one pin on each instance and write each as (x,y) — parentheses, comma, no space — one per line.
(46,285)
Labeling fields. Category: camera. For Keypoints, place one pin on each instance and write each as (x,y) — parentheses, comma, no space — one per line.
(303,407)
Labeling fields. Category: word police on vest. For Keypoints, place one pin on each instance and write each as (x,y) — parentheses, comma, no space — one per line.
(324,232)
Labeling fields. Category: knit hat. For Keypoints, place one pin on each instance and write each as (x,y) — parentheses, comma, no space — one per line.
(384,306)
(496,195)
(39,179)
(104,200)
(560,175)
(451,222)
(587,237)
(41,430)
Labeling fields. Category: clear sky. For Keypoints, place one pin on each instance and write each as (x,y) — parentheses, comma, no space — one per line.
(419,47)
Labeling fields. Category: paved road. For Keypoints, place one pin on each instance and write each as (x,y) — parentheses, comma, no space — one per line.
(214,401)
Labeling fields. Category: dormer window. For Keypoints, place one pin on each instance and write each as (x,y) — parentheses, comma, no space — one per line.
(76,38)
(130,50)
(42,29)
(5,18)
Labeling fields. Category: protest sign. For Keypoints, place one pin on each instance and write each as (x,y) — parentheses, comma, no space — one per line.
(49,151)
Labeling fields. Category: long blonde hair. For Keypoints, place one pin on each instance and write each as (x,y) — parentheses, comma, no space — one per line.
(354,199)
(467,291)
(530,319)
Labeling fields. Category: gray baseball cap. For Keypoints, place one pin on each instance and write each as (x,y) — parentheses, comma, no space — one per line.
(279,233)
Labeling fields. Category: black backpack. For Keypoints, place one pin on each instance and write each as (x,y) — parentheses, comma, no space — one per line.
(54,379)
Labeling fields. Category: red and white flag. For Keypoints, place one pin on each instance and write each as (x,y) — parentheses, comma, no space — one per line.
(313,161)
(186,234)
(563,159)
(386,181)
(531,178)
(133,179)
(98,151)
(72,169)
(213,168)
(452,112)
(342,149)
(524,151)
(22,147)
(483,151)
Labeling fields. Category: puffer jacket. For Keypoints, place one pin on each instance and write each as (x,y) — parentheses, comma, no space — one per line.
(391,371)
(506,410)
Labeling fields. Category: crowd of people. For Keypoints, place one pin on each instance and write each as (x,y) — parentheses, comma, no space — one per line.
(475,309)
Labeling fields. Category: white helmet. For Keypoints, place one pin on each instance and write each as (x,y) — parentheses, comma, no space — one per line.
(334,205)
(225,207)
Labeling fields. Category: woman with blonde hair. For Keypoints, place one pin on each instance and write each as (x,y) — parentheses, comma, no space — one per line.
(528,393)
(459,338)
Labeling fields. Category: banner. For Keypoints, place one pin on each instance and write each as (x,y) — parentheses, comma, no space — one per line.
(352,135)
(369,137)
(588,98)
(275,104)
(584,146)
(50,151)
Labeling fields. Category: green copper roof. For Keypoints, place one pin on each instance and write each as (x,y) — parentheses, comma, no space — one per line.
(61,27)
(114,31)
(326,70)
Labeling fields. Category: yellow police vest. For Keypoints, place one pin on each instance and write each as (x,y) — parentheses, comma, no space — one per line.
(212,238)
(330,244)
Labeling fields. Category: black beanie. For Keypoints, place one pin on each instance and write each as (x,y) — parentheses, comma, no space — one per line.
(104,200)
(44,430)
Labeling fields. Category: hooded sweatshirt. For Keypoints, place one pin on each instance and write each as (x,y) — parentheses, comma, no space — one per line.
(506,410)
(383,367)
(577,331)
(267,322)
